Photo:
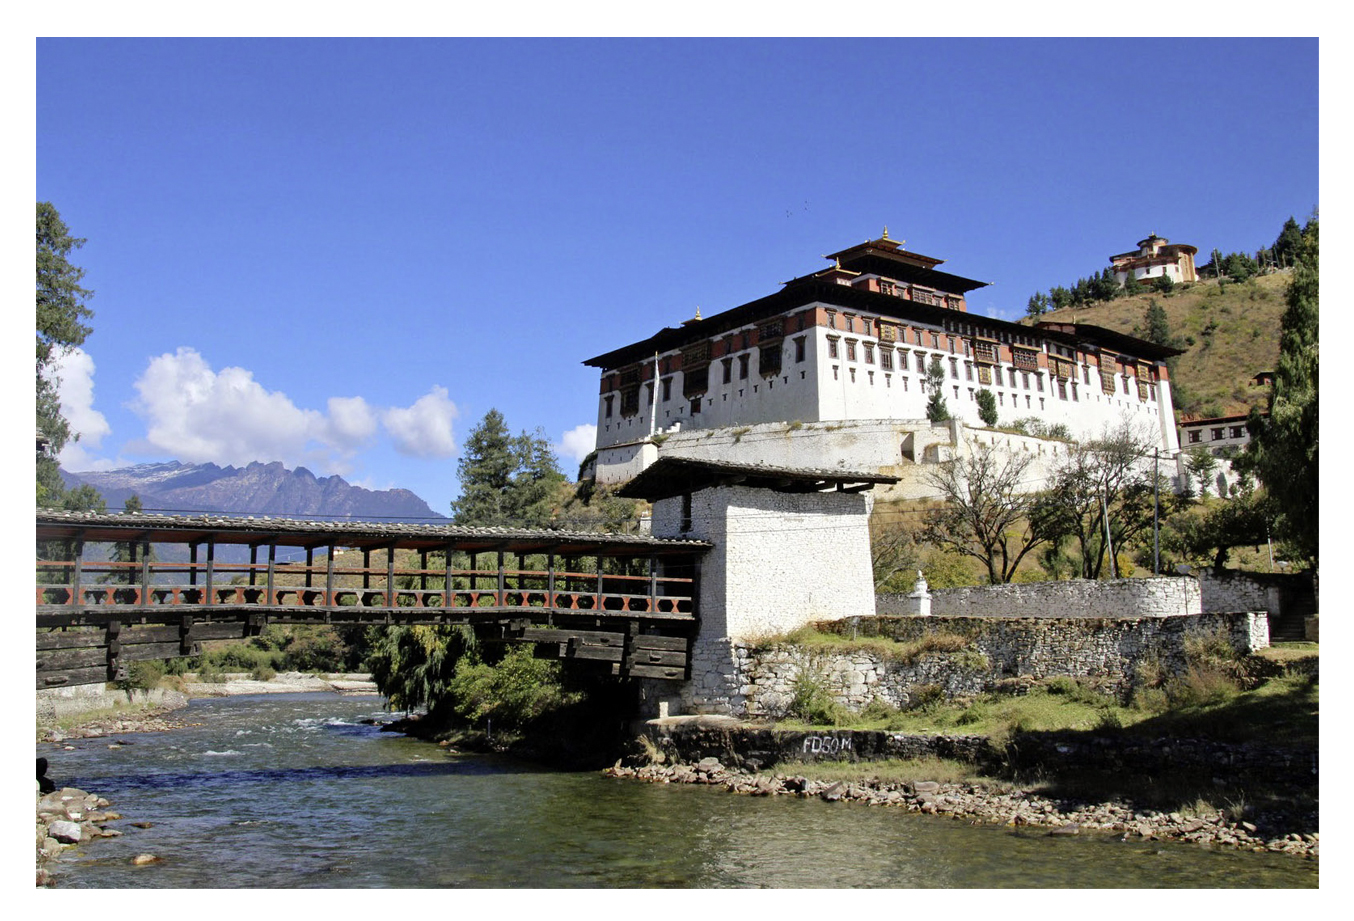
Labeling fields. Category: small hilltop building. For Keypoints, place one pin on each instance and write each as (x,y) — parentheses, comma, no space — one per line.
(1156,257)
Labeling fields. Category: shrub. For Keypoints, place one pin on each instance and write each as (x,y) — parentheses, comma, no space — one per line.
(143,675)
(925,696)
(813,701)
(319,649)
(262,673)
(511,693)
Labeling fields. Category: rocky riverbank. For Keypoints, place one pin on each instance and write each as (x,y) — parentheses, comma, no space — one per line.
(977,804)
(68,817)
(96,712)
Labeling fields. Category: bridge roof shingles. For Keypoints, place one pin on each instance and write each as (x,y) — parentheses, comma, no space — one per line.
(59,524)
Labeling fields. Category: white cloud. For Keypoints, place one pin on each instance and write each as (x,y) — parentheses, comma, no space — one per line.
(424,429)
(578,442)
(74,371)
(352,422)
(199,415)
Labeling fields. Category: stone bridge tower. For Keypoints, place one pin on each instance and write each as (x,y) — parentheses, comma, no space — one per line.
(791,546)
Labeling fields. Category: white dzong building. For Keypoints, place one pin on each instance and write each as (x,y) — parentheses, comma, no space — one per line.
(830,370)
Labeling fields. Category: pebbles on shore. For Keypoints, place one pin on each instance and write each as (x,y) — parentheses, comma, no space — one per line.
(66,818)
(983,806)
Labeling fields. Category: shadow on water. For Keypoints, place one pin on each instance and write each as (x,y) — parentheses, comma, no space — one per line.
(272,777)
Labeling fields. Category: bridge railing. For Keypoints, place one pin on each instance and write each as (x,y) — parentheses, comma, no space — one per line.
(153,584)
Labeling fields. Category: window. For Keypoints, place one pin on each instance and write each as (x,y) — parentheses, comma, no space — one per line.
(630,401)
(1024,379)
(1013,378)
(728,373)
(799,349)
(1195,436)
(869,353)
(1238,431)
(850,350)
(695,381)
(742,367)
(1062,389)
(1217,434)
(607,400)
(968,370)
(850,322)
(695,406)
(831,346)
(921,362)
(886,359)
(768,360)
(667,389)
(954,371)
(1039,380)
(832,319)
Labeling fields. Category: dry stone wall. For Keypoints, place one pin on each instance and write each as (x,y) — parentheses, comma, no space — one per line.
(995,654)
(1161,597)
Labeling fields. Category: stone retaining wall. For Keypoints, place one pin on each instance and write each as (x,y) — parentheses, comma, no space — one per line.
(1159,597)
(967,656)
(761,749)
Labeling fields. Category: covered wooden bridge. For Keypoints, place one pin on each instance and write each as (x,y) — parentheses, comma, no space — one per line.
(624,602)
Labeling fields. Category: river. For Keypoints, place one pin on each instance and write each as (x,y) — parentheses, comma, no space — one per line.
(296,791)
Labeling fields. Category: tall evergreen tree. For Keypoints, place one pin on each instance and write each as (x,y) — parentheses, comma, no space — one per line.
(506,480)
(936,410)
(61,316)
(1282,452)
(987,407)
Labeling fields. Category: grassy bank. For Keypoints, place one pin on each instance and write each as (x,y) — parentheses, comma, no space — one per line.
(1270,699)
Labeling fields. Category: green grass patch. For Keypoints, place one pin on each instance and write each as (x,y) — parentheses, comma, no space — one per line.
(907,652)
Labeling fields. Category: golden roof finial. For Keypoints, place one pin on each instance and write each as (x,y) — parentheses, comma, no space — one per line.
(886,231)
(839,262)
(698,313)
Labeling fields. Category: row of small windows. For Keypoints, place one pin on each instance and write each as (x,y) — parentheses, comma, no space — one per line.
(1216,433)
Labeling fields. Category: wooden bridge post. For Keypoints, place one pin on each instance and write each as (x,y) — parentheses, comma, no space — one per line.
(145,573)
(253,561)
(390,575)
(550,579)
(600,583)
(272,571)
(329,578)
(446,589)
(211,570)
(310,562)
(78,546)
(192,563)
(502,582)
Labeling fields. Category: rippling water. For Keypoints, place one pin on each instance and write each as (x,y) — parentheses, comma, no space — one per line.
(291,791)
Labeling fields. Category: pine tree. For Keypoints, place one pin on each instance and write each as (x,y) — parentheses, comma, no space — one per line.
(936,410)
(506,481)
(1282,453)
(1286,246)
(987,407)
(61,316)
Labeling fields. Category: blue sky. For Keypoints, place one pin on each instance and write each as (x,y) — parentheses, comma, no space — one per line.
(342,253)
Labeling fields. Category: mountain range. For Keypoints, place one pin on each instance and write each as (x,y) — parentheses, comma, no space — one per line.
(256,489)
